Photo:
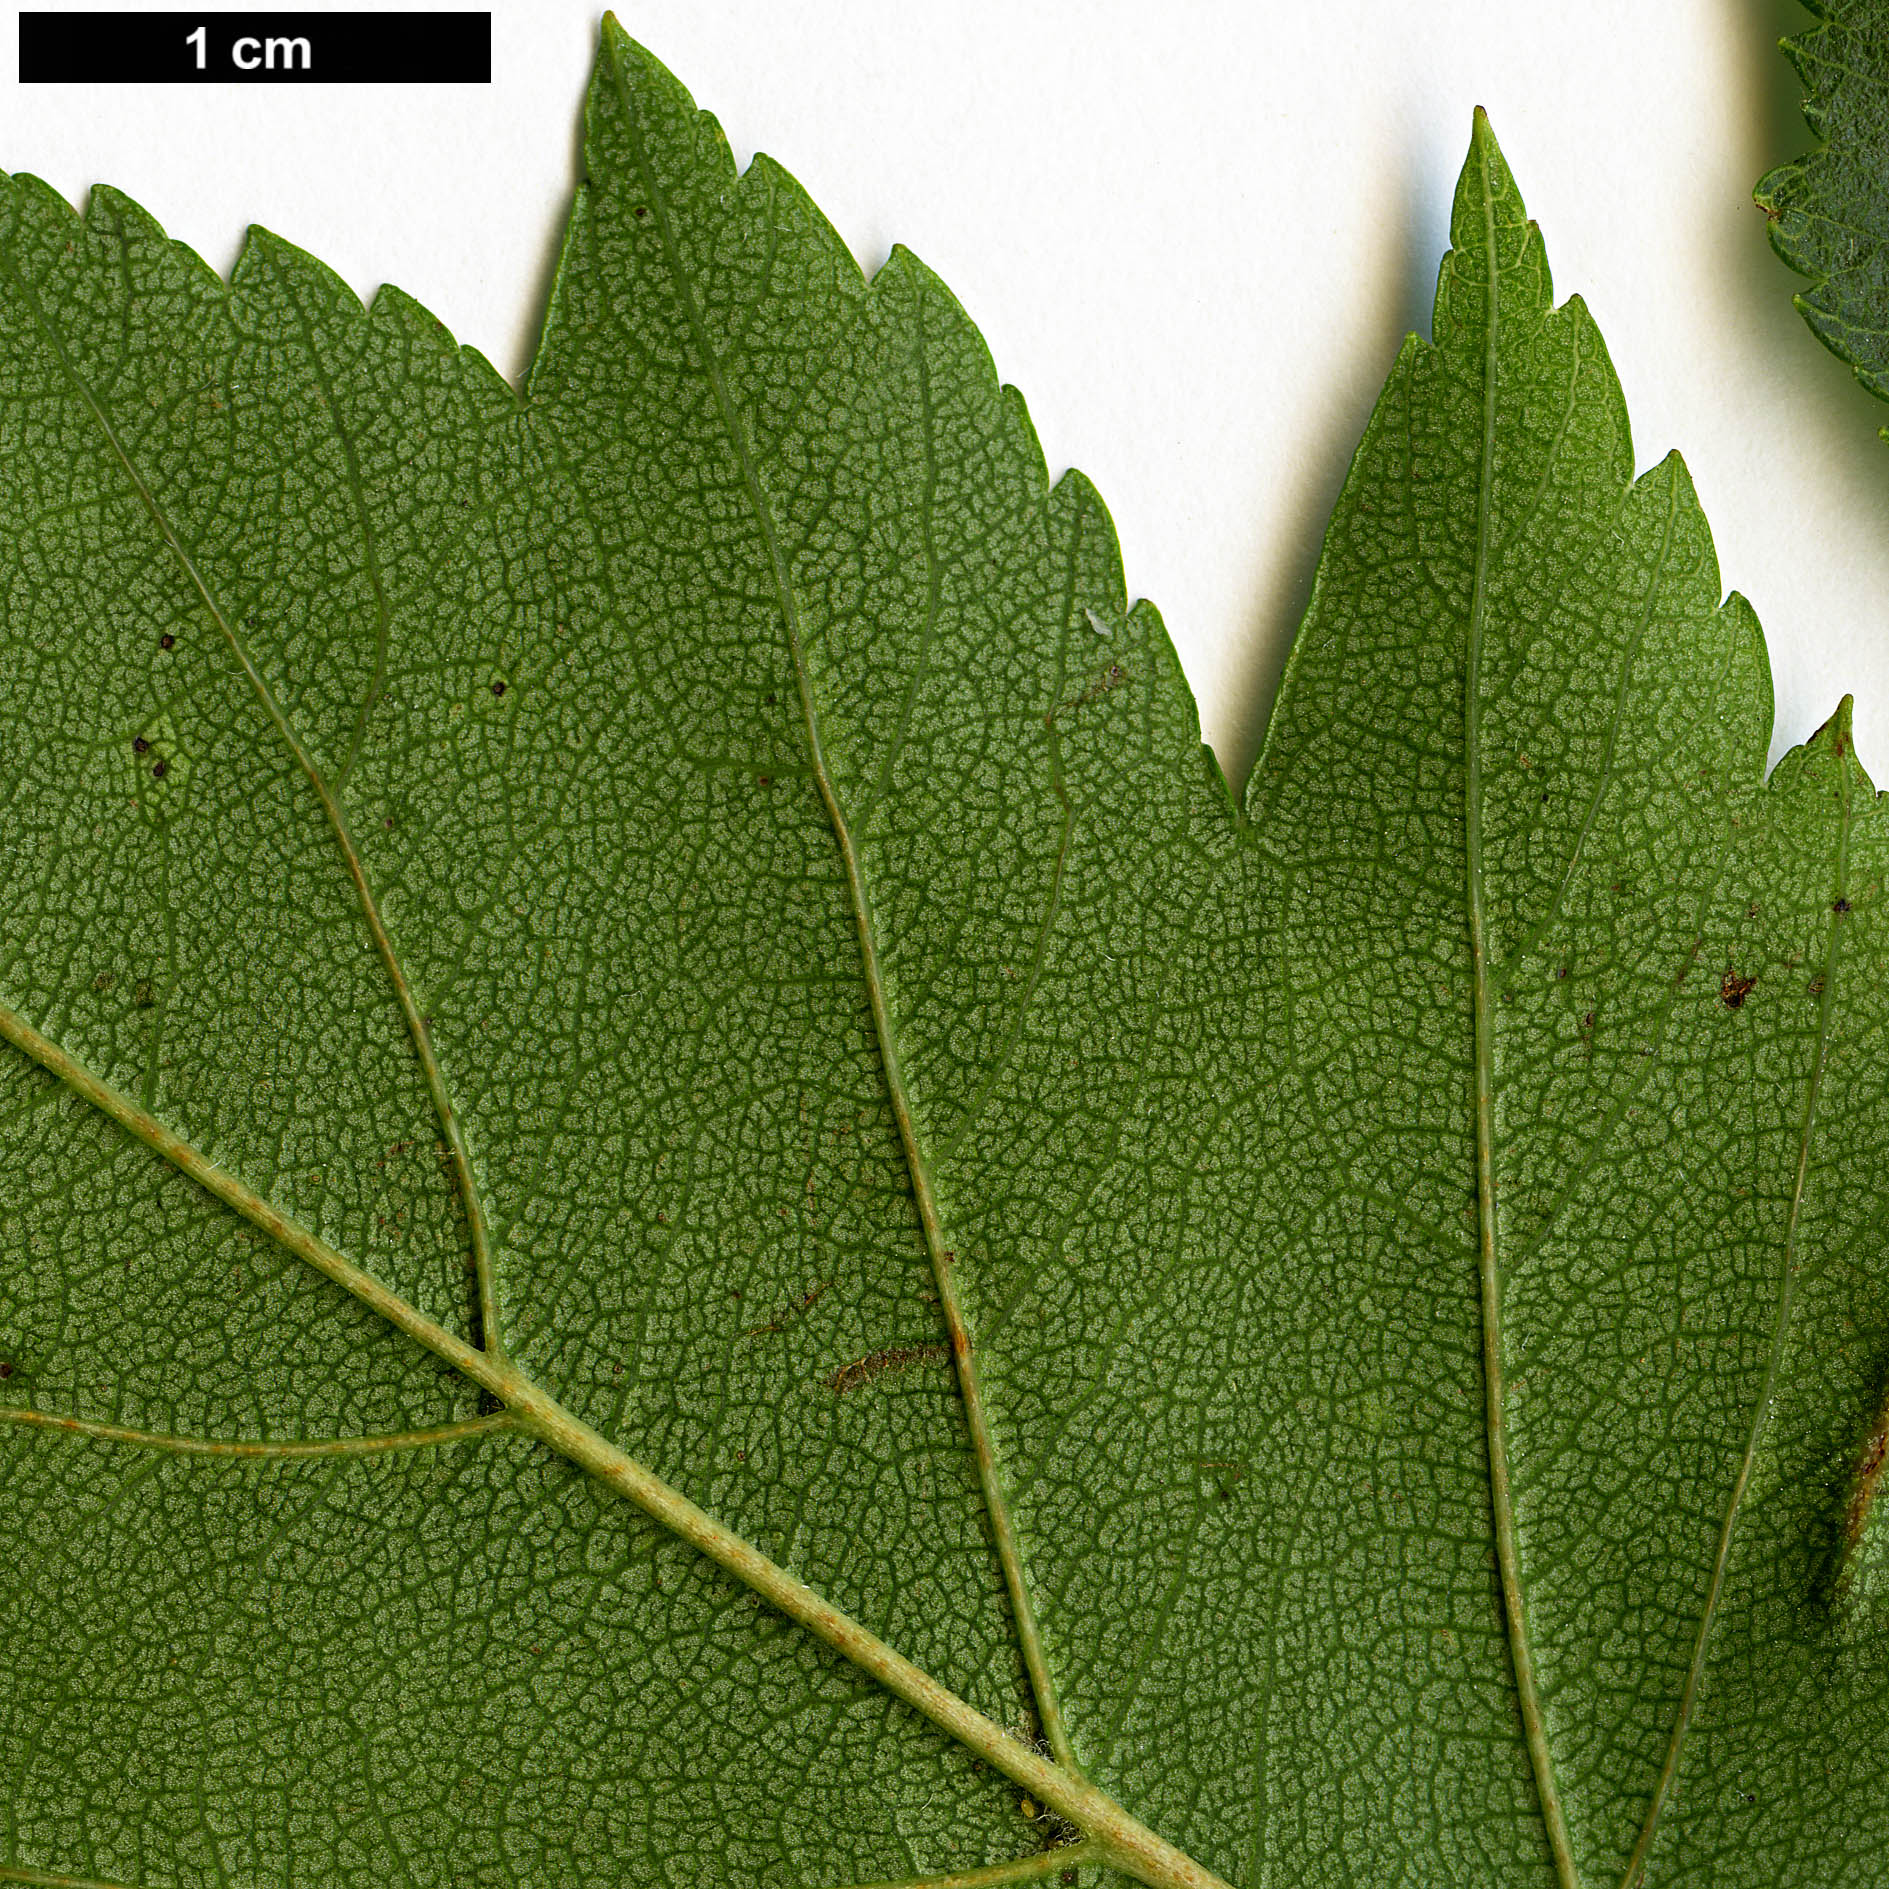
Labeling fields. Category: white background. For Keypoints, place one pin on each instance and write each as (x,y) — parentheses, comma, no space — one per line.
(1193,233)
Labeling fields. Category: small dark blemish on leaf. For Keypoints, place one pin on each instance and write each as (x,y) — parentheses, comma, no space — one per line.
(6,1369)
(788,1313)
(1226,1473)
(1111,678)
(1561,972)
(763,780)
(1733,989)
(144,993)
(498,688)
(167,641)
(1842,908)
(158,770)
(641,211)
(103,981)
(140,746)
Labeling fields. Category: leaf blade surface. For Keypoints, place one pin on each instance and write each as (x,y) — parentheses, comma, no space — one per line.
(837,952)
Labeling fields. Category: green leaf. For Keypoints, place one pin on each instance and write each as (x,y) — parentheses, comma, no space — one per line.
(1828,212)
(670,941)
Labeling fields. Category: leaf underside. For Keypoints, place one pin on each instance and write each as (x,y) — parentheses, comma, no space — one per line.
(698,881)
(1827,212)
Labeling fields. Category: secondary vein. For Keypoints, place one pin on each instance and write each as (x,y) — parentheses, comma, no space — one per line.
(1494,1422)
(237,1195)
(1780,1334)
(417,1029)
(1003,1529)
(46,1879)
(1023,1869)
(376,1444)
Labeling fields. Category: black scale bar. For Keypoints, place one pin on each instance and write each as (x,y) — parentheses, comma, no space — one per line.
(255,48)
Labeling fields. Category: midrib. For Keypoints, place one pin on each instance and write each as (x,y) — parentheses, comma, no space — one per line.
(1128,1844)
(1494,1422)
(1003,1530)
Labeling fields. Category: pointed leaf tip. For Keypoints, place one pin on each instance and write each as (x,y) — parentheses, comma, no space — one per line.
(1490,234)
(1836,739)
(1485,151)
(1835,732)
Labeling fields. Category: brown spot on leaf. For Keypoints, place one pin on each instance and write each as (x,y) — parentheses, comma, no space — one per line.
(862,1371)
(1841,907)
(1867,1479)
(1733,989)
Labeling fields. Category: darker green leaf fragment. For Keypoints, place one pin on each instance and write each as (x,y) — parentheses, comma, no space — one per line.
(1335,1336)
(1828,212)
